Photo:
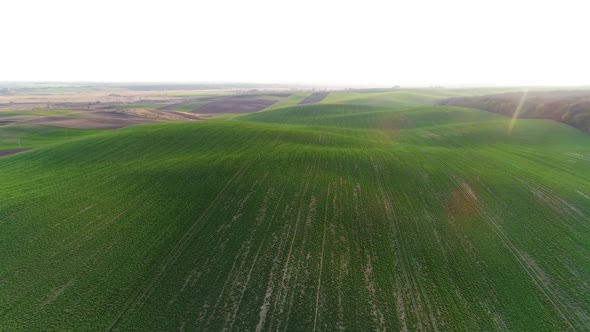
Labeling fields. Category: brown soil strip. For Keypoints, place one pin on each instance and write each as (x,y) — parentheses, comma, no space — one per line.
(4,153)
(144,114)
(114,115)
(88,123)
(315,97)
(237,104)
(7,122)
(175,106)
(84,101)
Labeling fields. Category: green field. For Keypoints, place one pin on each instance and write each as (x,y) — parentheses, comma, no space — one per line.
(292,100)
(33,136)
(369,210)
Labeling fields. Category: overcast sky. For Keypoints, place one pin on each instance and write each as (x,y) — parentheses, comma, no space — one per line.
(508,42)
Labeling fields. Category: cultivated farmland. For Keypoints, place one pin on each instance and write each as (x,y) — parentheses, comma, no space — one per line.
(364,211)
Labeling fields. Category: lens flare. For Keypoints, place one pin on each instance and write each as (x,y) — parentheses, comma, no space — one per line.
(517,112)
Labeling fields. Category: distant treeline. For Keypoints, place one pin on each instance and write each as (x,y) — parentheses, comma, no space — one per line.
(570,107)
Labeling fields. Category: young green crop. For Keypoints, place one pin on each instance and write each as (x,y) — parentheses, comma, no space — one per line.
(31,136)
(322,217)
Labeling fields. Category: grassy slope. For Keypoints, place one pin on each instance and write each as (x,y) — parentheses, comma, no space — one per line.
(32,136)
(314,217)
(292,100)
(570,107)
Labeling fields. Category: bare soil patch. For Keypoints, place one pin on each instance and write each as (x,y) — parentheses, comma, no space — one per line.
(236,104)
(163,115)
(315,97)
(88,123)
(463,205)
(178,105)
(81,101)
(4,153)
(128,108)
(115,114)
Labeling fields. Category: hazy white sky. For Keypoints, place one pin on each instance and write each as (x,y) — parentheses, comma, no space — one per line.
(366,42)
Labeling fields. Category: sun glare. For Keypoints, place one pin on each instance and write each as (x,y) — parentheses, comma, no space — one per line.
(517,112)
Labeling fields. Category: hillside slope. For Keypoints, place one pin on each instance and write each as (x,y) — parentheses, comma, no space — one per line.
(320,217)
(570,107)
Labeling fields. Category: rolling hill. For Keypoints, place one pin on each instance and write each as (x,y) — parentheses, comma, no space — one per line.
(570,107)
(364,211)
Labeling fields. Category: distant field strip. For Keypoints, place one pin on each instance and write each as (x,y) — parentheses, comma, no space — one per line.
(237,104)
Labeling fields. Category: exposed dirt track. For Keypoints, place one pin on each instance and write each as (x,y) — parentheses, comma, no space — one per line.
(315,97)
(4,153)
